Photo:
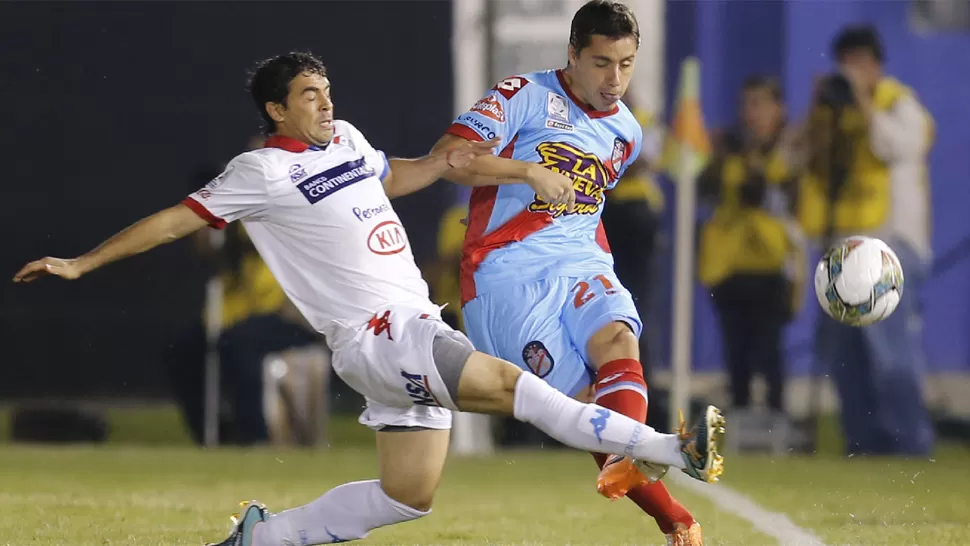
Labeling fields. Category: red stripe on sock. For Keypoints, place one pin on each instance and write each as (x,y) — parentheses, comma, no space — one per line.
(629,403)
(654,499)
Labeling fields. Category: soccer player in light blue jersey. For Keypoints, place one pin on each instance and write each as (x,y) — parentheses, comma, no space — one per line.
(537,279)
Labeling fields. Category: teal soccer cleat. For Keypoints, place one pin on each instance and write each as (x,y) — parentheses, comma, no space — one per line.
(699,447)
(242,533)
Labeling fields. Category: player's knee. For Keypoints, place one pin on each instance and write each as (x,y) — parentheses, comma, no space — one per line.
(418,498)
(614,333)
(614,341)
(487,385)
(451,351)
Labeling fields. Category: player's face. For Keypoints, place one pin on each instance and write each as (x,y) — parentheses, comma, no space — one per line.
(308,114)
(602,70)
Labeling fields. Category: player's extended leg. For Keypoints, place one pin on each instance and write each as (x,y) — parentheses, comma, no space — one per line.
(620,386)
(456,377)
(602,318)
(492,385)
(411,460)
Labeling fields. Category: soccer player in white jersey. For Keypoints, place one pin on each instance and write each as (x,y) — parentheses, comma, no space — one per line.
(315,203)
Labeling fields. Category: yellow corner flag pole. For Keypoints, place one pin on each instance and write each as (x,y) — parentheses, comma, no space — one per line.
(686,151)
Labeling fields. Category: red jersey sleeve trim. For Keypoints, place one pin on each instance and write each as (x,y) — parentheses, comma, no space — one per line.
(465,132)
(204,213)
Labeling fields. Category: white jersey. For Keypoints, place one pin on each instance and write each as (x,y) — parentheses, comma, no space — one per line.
(323,224)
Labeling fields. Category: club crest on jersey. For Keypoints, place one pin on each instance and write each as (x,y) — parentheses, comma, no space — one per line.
(587,172)
(619,154)
(537,358)
(335,179)
(387,238)
(490,107)
(297,172)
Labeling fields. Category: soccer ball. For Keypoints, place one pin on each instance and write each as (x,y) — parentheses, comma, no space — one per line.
(859,281)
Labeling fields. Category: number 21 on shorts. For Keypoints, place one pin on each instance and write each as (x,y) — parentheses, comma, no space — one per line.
(584,292)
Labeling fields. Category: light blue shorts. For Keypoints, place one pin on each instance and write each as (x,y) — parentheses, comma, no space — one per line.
(544,326)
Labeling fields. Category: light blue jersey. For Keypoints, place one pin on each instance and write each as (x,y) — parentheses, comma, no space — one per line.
(537,281)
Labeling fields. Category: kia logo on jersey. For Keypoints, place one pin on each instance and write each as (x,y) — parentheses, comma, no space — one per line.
(387,238)
(333,180)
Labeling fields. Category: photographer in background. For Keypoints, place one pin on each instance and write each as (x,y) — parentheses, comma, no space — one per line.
(444,272)
(751,250)
(867,141)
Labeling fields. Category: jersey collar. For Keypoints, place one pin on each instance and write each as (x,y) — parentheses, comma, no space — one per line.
(290,144)
(584,106)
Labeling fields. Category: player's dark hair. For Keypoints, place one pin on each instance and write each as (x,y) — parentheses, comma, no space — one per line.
(270,80)
(856,37)
(611,19)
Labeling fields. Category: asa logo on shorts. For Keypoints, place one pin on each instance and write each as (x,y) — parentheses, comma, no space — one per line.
(419,390)
(537,358)
(333,180)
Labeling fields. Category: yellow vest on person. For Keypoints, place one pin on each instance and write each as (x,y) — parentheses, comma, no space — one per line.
(864,202)
(750,240)
(451,237)
(254,292)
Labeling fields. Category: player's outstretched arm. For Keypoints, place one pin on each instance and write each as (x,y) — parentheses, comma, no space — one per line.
(410,175)
(490,170)
(162,227)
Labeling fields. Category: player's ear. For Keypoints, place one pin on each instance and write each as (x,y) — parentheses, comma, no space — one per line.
(275,111)
(572,56)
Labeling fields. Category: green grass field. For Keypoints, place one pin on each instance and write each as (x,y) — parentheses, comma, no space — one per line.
(157,492)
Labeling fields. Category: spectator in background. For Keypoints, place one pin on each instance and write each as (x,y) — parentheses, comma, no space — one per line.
(257,319)
(444,271)
(751,254)
(632,223)
(869,177)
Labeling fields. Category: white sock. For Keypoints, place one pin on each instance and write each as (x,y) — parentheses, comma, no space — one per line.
(346,512)
(590,427)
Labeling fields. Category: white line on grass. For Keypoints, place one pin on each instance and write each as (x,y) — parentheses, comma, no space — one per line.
(773,524)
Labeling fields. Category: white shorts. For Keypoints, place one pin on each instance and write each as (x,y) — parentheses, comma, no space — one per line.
(389,361)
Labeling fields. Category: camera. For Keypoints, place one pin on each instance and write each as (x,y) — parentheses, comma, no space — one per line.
(835,91)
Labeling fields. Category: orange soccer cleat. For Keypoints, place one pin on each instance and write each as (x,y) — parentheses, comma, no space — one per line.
(621,474)
(686,536)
